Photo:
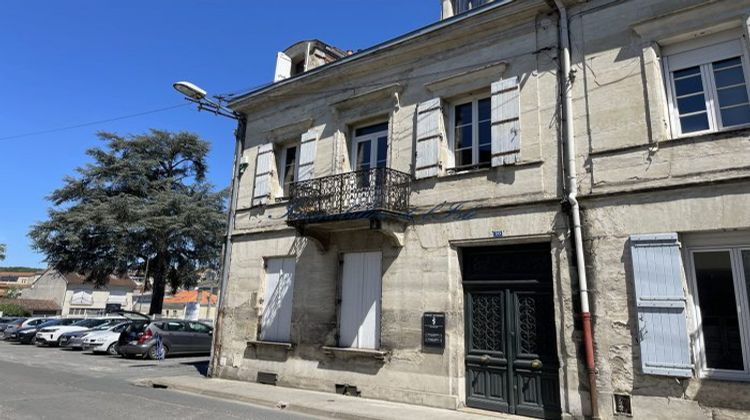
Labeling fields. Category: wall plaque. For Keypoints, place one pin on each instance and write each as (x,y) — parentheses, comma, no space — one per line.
(433,329)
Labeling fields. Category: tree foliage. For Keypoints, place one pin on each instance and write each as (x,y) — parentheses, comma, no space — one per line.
(143,198)
(13,309)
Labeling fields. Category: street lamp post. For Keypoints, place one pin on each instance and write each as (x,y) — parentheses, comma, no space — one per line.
(197,95)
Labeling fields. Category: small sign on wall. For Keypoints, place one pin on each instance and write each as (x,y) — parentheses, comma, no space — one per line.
(433,330)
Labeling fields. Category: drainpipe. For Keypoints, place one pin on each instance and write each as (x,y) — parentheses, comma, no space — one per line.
(572,188)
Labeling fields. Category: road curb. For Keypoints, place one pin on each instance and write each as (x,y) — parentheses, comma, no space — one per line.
(159,383)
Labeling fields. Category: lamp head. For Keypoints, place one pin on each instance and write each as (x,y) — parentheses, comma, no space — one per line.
(190,90)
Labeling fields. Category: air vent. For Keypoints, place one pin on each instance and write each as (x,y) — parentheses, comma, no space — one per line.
(346,389)
(622,405)
(267,378)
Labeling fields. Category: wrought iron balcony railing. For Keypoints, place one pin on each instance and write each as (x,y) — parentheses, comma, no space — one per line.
(365,194)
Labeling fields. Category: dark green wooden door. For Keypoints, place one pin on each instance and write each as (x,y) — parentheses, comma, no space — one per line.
(511,352)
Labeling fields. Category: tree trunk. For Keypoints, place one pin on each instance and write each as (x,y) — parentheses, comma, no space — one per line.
(160,282)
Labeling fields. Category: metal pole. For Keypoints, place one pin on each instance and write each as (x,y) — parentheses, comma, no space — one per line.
(227,248)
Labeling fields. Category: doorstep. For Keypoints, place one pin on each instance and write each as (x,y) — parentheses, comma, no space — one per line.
(313,403)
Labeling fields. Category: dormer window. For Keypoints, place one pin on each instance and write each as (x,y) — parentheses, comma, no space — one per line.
(460,6)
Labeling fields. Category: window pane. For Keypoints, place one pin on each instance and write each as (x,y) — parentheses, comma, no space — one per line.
(363,155)
(463,157)
(689,85)
(485,136)
(721,331)
(735,115)
(485,153)
(694,123)
(376,128)
(484,109)
(463,114)
(691,104)
(382,151)
(728,76)
(732,96)
(691,71)
(729,62)
(463,137)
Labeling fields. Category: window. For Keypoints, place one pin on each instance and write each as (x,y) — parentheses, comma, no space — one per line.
(359,316)
(471,133)
(173,326)
(720,284)
(289,166)
(707,86)
(370,147)
(199,328)
(460,6)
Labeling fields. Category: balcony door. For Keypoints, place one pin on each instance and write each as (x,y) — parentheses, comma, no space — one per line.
(370,147)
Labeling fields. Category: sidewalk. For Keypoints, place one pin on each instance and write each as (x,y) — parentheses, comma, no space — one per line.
(313,403)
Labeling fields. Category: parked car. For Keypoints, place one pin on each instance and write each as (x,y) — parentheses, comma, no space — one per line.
(177,336)
(6,322)
(11,332)
(74,340)
(105,341)
(51,335)
(29,335)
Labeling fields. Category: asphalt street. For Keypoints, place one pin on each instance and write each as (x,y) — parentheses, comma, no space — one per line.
(51,383)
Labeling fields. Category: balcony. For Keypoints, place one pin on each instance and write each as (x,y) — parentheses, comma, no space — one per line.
(374,195)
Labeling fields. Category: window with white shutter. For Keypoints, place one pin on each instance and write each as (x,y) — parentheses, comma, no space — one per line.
(308,146)
(429,136)
(276,319)
(359,325)
(283,67)
(660,305)
(506,128)
(263,172)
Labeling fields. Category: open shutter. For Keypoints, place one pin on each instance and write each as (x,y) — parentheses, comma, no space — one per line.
(276,321)
(263,169)
(660,305)
(307,148)
(429,135)
(506,130)
(283,67)
(369,331)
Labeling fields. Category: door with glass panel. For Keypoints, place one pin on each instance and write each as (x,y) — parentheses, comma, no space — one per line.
(369,153)
(720,294)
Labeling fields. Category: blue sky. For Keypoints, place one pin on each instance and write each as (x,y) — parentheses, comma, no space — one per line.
(77,61)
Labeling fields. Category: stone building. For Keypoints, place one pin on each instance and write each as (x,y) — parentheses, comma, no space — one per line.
(403,220)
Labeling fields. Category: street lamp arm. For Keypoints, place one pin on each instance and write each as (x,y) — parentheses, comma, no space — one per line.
(215,108)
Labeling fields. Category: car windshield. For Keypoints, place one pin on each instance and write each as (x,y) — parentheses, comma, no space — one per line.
(89,323)
(48,323)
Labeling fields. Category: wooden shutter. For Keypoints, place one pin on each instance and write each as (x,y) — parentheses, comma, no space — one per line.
(307,149)
(506,129)
(276,320)
(429,136)
(360,300)
(660,305)
(263,170)
(283,67)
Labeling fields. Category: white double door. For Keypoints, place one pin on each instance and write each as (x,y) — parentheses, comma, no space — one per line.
(360,300)
(276,321)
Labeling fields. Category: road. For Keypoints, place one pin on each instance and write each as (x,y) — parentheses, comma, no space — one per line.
(51,383)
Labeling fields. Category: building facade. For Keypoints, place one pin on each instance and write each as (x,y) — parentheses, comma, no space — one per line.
(402,230)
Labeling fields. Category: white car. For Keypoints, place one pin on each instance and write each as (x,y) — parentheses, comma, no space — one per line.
(52,335)
(104,341)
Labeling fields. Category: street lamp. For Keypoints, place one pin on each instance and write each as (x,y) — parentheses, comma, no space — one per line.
(197,95)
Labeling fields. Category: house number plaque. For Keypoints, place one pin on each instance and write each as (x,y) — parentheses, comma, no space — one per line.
(433,329)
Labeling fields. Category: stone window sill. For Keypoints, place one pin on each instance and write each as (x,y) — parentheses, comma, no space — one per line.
(271,344)
(346,351)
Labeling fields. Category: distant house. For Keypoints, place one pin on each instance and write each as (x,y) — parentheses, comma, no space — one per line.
(35,307)
(178,306)
(75,296)
(16,280)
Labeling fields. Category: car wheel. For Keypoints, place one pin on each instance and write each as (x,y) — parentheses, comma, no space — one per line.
(152,352)
(59,342)
(112,349)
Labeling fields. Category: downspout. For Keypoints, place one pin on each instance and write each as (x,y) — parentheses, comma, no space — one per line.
(227,248)
(572,189)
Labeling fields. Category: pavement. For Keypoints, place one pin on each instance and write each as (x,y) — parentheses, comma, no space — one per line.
(321,404)
(51,383)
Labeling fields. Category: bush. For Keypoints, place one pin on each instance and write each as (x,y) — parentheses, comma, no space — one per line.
(13,309)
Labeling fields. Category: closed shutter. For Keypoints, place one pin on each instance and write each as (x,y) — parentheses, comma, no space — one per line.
(660,305)
(506,129)
(263,169)
(276,320)
(360,301)
(429,136)
(283,67)
(307,149)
